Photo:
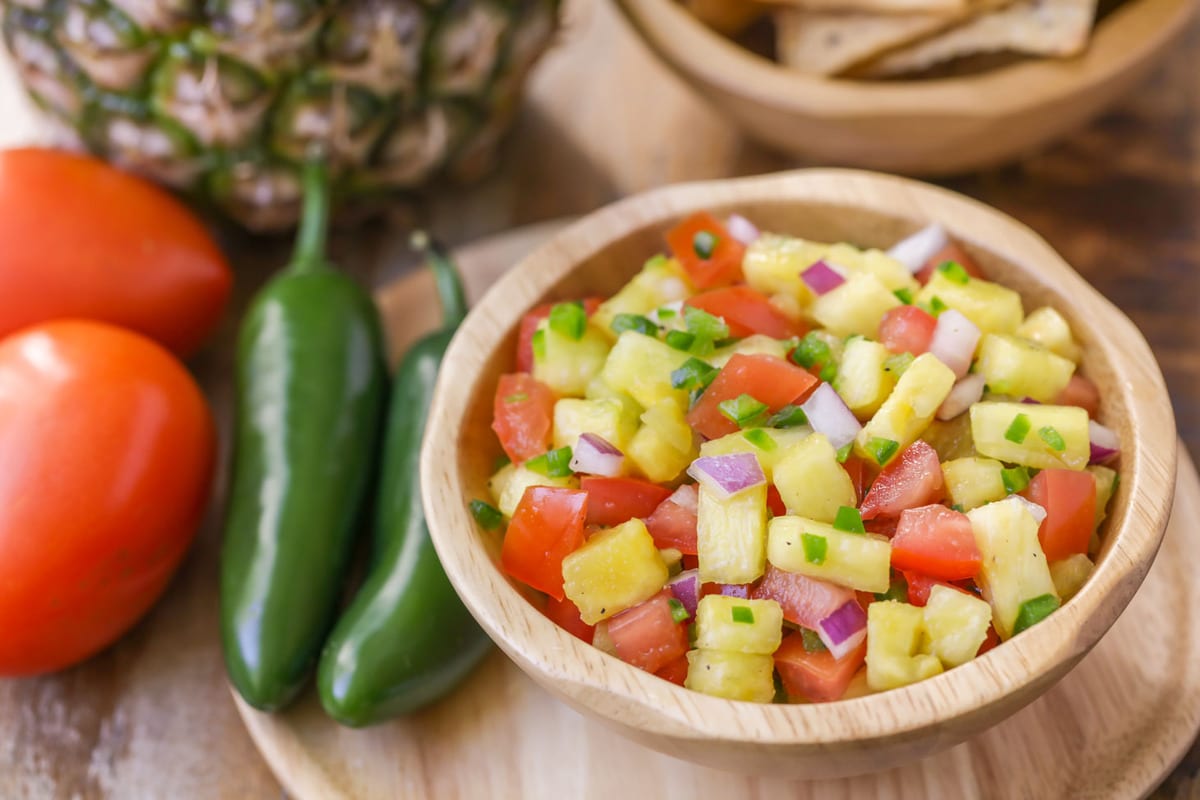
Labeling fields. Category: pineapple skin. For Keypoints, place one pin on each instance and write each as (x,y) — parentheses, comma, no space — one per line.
(224,99)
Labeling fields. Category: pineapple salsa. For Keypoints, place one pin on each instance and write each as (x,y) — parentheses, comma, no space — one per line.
(772,469)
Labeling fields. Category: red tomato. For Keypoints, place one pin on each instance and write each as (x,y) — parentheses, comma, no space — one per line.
(689,561)
(816,677)
(546,527)
(675,671)
(1081,392)
(805,601)
(911,479)
(1069,498)
(673,523)
(108,456)
(907,329)
(936,541)
(522,415)
(565,615)
(884,526)
(647,636)
(951,252)
(612,501)
(919,587)
(991,641)
(529,325)
(84,240)
(775,502)
(768,379)
(856,468)
(722,266)
(746,311)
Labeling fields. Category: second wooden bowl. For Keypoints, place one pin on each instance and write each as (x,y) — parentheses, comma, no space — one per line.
(596,256)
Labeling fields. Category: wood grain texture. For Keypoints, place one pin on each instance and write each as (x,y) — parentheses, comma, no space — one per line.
(1126,740)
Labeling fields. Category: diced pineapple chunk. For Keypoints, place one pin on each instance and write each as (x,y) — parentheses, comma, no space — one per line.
(655,457)
(773,263)
(1014,568)
(992,307)
(1106,483)
(641,366)
(597,389)
(890,272)
(509,483)
(734,676)
(910,407)
(750,346)
(895,633)
(990,421)
(667,419)
(739,626)
(605,418)
(856,306)
(973,482)
(614,570)
(1069,574)
(812,548)
(951,438)
(567,365)
(861,380)
(1014,366)
(770,445)
(957,624)
(1050,329)
(661,281)
(811,481)
(731,535)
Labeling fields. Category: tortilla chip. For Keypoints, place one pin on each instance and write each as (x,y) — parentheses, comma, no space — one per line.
(729,17)
(829,42)
(1034,27)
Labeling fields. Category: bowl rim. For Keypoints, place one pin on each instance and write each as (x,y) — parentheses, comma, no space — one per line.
(1128,35)
(589,678)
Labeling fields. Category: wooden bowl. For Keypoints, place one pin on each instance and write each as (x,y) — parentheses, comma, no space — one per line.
(926,127)
(597,255)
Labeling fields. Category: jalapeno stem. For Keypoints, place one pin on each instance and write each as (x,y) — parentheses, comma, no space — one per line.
(449,284)
(309,254)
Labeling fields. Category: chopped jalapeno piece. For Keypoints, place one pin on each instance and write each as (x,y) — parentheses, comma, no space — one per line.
(486,514)
(815,547)
(1018,430)
(1035,610)
(569,319)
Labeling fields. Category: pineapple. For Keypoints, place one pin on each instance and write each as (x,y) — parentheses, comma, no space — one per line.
(856,306)
(1040,436)
(973,482)
(811,482)
(738,626)
(1051,330)
(895,638)
(224,100)
(1022,368)
(957,624)
(1069,574)
(735,676)
(909,407)
(614,570)
(731,535)
(1014,569)
(857,560)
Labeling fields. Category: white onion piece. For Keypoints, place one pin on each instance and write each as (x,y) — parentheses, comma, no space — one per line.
(594,455)
(844,629)
(954,340)
(827,413)
(966,393)
(917,249)
(1105,442)
(686,497)
(1038,512)
(728,475)
(741,229)
(686,588)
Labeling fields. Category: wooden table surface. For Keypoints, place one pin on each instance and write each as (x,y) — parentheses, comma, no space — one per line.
(1120,200)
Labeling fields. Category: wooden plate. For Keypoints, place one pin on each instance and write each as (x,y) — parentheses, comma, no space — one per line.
(1114,727)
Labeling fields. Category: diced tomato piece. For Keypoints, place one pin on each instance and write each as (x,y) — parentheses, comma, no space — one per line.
(720,267)
(612,501)
(864,599)
(936,541)
(741,590)
(673,523)
(816,677)
(1069,498)
(911,479)
(647,636)
(768,379)
(565,615)
(689,561)
(546,527)
(522,415)
(529,325)
(989,642)
(907,329)
(746,311)
(884,526)
(919,587)
(951,252)
(856,468)
(1081,392)
(675,671)
(775,502)
(805,601)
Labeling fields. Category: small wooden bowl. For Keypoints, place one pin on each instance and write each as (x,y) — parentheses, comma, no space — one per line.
(602,251)
(920,127)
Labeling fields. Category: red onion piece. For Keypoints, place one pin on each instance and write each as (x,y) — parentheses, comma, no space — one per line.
(686,588)
(1104,441)
(844,629)
(822,278)
(954,341)
(740,590)
(1029,401)
(917,249)
(594,455)
(741,229)
(966,393)
(686,497)
(728,475)
(827,413)
(1038,512)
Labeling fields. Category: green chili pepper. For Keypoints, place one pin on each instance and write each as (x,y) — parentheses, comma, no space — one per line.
(406,638)
(311,384)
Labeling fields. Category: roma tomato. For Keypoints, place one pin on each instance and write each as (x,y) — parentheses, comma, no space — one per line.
(546,527)
(816,677)
(522,415)
(85,240)
(746,311)
(936,541)
(907,329)
(914,478)
(565,614)
(951,252)
(1069,498)
(673,523)
(612,501)
(768,379)
(706,250)
(106,456)
(1081,392)
(647,636)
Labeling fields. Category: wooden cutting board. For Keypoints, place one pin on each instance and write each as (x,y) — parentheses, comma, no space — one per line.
(1113,728)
